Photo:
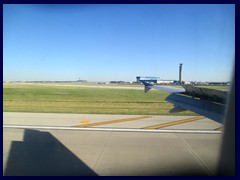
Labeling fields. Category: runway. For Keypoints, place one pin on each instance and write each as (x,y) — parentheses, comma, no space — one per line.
(88,144)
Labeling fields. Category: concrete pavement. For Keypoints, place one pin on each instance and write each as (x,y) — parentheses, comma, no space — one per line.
(33,151)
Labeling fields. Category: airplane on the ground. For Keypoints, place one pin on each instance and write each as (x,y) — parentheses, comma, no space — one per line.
(210,103)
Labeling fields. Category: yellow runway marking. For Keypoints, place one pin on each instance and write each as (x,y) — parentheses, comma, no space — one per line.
(112,121)
(174,123)
(84,121)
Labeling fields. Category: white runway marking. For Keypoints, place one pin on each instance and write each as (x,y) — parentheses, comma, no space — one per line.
(114,129)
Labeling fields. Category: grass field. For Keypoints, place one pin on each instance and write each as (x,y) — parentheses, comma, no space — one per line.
(63,99)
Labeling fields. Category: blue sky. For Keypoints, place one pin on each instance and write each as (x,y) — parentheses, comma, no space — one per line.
(118,42)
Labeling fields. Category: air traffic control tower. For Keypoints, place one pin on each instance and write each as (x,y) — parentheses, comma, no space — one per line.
(180,73)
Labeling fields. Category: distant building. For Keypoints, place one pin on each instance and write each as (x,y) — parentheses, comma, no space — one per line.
(166,82)
(187,82)
(146,78)
(118,82)
(138,79)
(81,80)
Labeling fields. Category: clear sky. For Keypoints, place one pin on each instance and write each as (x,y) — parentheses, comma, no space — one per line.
(118,42)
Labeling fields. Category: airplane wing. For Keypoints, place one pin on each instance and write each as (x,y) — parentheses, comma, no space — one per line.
(210,103)
(161,88)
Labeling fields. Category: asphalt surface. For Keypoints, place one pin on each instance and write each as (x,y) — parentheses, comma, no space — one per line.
(41,144)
